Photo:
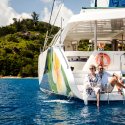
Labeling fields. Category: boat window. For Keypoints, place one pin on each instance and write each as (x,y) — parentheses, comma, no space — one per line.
(77,58)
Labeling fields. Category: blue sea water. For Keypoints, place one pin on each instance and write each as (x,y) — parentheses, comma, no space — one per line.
(22,103)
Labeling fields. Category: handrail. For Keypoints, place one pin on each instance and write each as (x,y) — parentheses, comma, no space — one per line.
(121,61)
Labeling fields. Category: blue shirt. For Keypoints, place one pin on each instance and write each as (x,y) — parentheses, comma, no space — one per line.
(104,78)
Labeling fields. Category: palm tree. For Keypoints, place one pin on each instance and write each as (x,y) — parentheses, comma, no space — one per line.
(35,17)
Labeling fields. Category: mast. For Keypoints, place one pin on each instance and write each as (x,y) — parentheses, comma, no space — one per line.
(95,30)
(95,3)
(95,35)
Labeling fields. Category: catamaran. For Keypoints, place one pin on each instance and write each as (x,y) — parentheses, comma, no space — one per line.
(66,66)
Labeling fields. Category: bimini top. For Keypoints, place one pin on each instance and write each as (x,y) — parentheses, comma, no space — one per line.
(110,24)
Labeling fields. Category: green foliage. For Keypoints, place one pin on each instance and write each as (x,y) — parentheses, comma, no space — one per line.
(83,45)
(12,38)
(27,71)
(108,47)
(7,30)
(20,44)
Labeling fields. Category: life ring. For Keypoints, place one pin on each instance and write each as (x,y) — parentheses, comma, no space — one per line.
(103,59)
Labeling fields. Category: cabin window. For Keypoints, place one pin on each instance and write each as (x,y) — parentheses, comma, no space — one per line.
(77,58)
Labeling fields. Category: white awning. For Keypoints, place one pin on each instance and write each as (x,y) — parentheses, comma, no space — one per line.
(106,29)
(110,25)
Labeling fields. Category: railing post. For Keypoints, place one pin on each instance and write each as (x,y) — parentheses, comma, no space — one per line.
(95,35)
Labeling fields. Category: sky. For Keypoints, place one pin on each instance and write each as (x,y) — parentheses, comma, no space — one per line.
(22,9)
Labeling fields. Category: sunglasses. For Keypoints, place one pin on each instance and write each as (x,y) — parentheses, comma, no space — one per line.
(101,68)
(91,68)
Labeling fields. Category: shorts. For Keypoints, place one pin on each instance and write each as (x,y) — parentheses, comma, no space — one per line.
(108,87)
(96,89)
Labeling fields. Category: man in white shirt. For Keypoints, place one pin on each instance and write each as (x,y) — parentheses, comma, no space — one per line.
(108,84)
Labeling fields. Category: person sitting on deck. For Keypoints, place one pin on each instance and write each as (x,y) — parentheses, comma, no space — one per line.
(91,82)
(108,85)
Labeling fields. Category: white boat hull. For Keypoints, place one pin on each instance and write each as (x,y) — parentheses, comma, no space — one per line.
(94,26)
(61,80)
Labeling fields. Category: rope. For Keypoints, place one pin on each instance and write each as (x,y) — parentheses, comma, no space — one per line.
(51,11)
(55,19)
(46,39)
(47,36)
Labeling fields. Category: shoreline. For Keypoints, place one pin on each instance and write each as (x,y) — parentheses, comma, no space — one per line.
(16,77)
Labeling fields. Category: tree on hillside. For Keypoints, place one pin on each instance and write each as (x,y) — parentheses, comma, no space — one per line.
(35,17)
(15,20)
(17,24)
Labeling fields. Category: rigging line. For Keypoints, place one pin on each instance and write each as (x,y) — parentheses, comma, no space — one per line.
(46,37)
(55,19)
(58,12)
(51,11)
(53,25)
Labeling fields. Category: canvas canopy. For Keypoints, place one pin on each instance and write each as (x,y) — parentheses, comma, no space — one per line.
(110,25)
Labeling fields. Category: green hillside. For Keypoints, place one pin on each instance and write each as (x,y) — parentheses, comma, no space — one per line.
(20,45)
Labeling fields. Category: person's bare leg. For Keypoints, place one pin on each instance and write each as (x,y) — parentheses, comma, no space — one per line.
(119,87)
(114,81)
(120,84)
(98,98)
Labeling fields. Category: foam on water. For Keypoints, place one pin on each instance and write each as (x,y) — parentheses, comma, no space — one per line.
(85,96)
(58,101)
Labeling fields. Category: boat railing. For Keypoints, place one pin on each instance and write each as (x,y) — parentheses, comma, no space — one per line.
(113,92)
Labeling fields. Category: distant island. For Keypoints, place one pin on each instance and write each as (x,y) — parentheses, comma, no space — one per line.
(20,45)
